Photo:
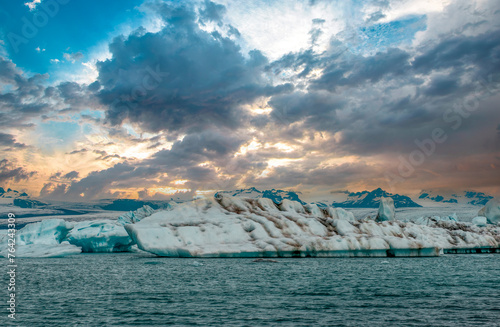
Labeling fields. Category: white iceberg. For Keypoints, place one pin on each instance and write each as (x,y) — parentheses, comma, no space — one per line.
(136,216)
(49,231)
(56,237)
(339,213)
(434,220)
(100,236)
(491,211)
(386,210)
(480,221)
(239,227)
(42,239)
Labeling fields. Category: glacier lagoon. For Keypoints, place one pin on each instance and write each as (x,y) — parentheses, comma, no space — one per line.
(134,284)
(137,289)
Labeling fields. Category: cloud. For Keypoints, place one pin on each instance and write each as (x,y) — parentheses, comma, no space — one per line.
(69,176)
(10,172)
(73,57)
(98,182)
(212,12)
(220,97)
(314,109)
(33,4)
(8,140)
(182,78)
(53,191)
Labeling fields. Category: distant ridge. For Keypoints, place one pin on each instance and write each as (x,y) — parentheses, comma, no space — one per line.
(465,197)
(276,195)
(21,200)
(371,199)
(10,193)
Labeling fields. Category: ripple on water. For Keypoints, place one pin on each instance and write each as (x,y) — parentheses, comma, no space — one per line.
(131,290)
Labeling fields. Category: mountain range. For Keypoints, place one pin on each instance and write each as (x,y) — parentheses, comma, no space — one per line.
(276,195)
(364,199)
(465,197)
(367,199)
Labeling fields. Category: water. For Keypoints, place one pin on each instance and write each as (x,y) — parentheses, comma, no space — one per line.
(134,290)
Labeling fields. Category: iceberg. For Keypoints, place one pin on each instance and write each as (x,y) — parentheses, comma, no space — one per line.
(491,211)
(340,213)
(56,238)
(433,221)
(136,216)
(50,231)
(386,210)
(243,227)
(42,239)
(480,221)
(227,226)
(100,236)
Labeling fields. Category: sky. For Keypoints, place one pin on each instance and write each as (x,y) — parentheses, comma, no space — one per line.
(161,99)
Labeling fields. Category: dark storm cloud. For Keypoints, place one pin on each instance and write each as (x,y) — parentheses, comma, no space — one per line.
(8,71)
(458,52)
(69,176)
(316,109)
(17,105)
(52,190)
(98,182)
(442,85)
(181,78)
(27,98)
(370,126)
(393,63)
(183,159)
(8,140)
(10,172)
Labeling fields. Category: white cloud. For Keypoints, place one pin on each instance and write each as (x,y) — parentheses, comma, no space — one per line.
(73,56)
(32,5)
(277,28)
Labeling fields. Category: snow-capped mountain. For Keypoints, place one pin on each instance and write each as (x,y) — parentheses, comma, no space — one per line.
(371,199)
(276,195)
(19,199)
(465,197)
(11,194)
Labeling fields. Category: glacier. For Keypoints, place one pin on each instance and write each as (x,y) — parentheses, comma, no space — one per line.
(226,226)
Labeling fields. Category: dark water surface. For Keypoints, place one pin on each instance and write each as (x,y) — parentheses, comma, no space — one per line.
(133,290)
